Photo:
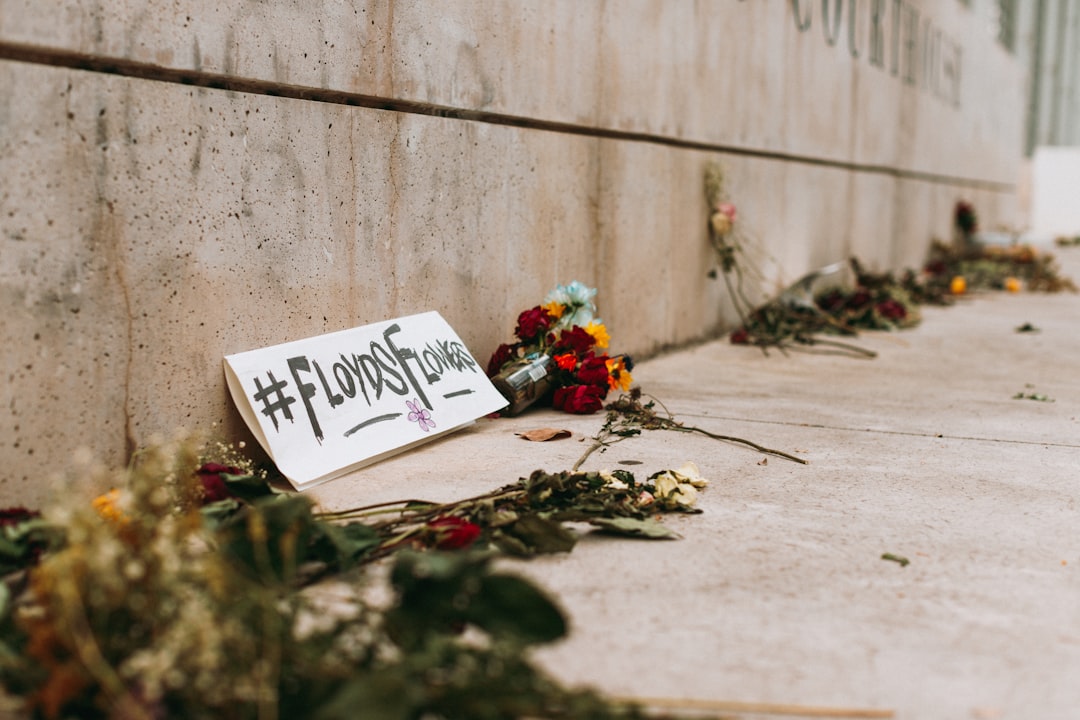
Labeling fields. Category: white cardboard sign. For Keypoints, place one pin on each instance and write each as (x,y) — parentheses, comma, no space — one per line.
(327,405)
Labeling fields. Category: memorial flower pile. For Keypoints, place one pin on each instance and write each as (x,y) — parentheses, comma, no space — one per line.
(995,267)
(562,345)
(802,316)
(194,589)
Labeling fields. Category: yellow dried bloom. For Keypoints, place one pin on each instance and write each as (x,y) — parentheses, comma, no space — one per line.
(107,506)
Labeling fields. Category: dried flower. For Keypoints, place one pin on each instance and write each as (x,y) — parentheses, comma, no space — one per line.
(502,355)
(593,371)
(575,340)
(579,399)
(533,323)
(453,533)
(619,373)
(720,223)
(213,485)
(891,310)
(12,516)
(958,286)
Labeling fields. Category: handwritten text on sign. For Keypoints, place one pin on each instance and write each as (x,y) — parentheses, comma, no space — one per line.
(349,397)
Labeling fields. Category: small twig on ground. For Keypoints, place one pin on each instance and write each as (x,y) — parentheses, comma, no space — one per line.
(627,416)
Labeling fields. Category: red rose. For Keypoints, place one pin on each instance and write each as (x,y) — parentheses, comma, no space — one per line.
(832,302)
(593,371)
(891,310)
(740,337)
(10,517)
(532,323)
(453,533)
(500,357)
(965,217)
(575,340)
(859,300)
(214,487)
(579,399)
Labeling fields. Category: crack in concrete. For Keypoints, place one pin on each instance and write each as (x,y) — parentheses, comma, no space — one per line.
(906,433)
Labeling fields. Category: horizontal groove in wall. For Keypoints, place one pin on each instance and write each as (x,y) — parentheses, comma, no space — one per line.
(57,57)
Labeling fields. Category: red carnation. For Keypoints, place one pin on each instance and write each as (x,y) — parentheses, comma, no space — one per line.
(891,310)
(579,399)
(575,340)
(532,323)
(740,337)
(453,533)
(503,354)
(593,371)
(214,487)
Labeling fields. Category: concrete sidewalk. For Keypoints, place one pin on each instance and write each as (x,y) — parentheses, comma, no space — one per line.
(778,592)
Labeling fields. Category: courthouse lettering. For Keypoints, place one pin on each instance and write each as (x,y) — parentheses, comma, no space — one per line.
(891,35)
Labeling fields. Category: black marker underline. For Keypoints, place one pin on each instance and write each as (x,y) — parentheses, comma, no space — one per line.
(372,421)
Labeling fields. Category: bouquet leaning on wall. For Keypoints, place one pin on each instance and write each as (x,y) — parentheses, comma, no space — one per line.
(559,356)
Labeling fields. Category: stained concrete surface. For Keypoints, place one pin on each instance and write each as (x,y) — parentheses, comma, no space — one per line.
(777,593)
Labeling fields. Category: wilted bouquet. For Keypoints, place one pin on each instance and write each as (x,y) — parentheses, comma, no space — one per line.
(560,354)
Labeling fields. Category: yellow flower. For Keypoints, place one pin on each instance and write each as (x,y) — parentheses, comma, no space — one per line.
(618,376)
(1012,284)
(599,334)
(958,286)
(554,309)
(107,507)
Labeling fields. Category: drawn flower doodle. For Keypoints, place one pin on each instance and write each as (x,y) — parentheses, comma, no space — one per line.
(420,414)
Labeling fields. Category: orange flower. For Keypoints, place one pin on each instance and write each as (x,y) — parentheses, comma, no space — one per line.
(567,361)
(958,286)
(618,374)
(1012,284)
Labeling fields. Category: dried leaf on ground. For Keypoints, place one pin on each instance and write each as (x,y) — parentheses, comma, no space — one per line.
(544,434)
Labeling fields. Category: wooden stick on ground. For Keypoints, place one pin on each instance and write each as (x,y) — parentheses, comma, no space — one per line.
(727,706)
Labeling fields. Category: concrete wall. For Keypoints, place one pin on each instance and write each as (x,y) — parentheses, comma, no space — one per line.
(180,180)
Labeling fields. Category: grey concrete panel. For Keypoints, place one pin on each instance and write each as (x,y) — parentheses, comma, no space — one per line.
(916,87)
(153,228)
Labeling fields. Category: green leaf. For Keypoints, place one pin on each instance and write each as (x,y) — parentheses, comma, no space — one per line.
(510,607)
(247,487)
(215,514)
(386,694)
(633,527)
(347,543)
(541,535)
(271,538)
(441,592)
